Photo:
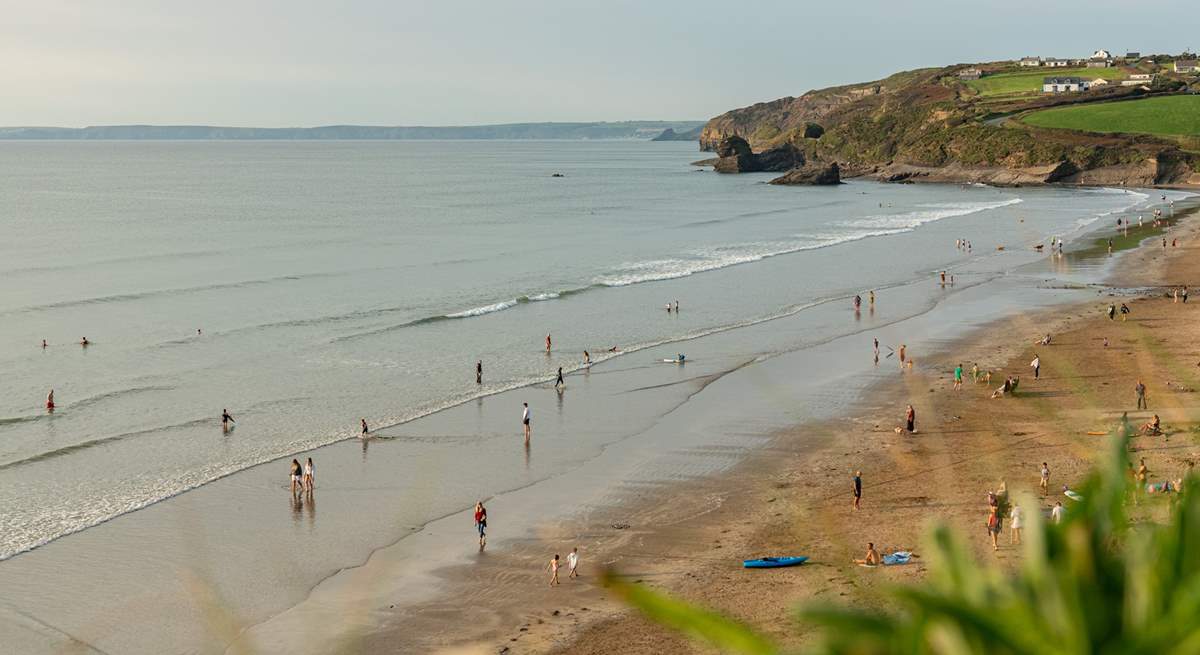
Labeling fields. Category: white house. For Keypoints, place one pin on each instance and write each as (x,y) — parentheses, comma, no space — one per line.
(1055,63)
(1185,65)
(1098,63)
(970,74)
(1101,54)
(1064,84)
(1099,81)
(1031,61)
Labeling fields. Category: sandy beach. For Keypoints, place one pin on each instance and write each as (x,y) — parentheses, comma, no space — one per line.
(793,496)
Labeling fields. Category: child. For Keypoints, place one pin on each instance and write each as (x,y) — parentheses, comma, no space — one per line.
(552,567)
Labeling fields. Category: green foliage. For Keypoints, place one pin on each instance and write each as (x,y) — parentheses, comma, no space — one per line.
(1169,115)
(1094,584)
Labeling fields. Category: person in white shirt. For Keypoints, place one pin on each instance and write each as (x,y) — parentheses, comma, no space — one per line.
(573,563)
(1016,523)
(525,417)
(1036,365)
(1056,514)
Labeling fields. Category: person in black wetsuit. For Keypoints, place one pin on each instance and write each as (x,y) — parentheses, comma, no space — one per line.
(226,419)
(559,382)
(479,372)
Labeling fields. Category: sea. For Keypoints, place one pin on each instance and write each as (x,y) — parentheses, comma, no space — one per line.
(307,286)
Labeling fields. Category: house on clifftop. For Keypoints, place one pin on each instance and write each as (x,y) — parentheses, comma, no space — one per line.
(1031,61)
(970,74)
(1185,65)
(1065,85)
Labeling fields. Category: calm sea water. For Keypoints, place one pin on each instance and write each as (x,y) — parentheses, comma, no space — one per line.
(304,286)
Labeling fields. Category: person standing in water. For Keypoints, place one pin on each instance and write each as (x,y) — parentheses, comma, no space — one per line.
(871,298)
(559,382)
(43,344)
(875,349)
(479,372)
(365,431)
(50,400)
(481,523)
(297,477)
(526,416)
(226,419)
(547,342)
(587,358)
(307,480)
(903,348)
(857,302)
(676,306)
(84,342)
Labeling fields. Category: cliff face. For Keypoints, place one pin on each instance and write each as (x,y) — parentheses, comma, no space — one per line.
(927,125)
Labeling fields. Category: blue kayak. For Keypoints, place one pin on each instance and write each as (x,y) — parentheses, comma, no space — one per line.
(773,562)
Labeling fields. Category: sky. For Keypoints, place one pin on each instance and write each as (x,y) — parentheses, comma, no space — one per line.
(274,63)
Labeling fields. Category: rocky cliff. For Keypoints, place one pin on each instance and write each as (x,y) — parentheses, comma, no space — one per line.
(926,125)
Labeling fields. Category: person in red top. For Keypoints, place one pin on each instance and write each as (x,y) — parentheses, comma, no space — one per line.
(481,523)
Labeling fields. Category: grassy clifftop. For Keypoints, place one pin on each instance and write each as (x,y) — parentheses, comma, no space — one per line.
(929,124)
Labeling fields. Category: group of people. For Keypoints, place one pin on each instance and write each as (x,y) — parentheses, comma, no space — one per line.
(302,477)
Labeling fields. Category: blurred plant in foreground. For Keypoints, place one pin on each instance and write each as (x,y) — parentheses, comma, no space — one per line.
(1096,583)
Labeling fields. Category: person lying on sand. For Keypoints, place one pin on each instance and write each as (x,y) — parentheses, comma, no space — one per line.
(871,558)
(1004,389)
(1153,428)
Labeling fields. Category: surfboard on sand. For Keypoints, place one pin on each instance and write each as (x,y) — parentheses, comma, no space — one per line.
(772,562)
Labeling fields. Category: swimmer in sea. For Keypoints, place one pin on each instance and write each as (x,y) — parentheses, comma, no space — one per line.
(84,342)
(365,431)
(50,400)
(226,419)
(547,342)
(614,349)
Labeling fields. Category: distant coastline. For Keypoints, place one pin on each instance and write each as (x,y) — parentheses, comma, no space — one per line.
(568,131)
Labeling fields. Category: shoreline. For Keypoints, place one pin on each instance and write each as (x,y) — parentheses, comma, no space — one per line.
(588,621)
(675,387)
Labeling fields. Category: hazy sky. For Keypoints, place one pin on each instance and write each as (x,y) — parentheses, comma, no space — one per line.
(300,63)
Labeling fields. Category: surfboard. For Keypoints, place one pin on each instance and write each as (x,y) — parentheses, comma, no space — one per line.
(1072,495)
(773,562)
(1097,434)
(674,361)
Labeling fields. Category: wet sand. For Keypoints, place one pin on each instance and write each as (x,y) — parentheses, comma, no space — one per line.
(793,495)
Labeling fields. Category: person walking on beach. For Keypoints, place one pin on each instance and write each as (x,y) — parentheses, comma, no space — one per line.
(365,430)
(1112,311)
(552,567)
(1036,365)
(1140,390)
(559,382)
(547,342)
(1056,513)
(226,419)
(943,278)
(1124,312)
(857,489)
(1184,294)
(297,477)
(910,419)
(525,417)
(1044,482)
(958,377)
(871,298)
(993,526)
(307,480)
(573,563)
(481,523)
(1015,523)
(1110,246)
(875,349)
(479,372)
(903,348)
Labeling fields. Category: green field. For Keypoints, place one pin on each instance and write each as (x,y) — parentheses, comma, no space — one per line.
(1031,81)
(1171,115)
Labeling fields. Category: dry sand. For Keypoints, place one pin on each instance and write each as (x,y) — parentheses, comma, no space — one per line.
(793,497)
